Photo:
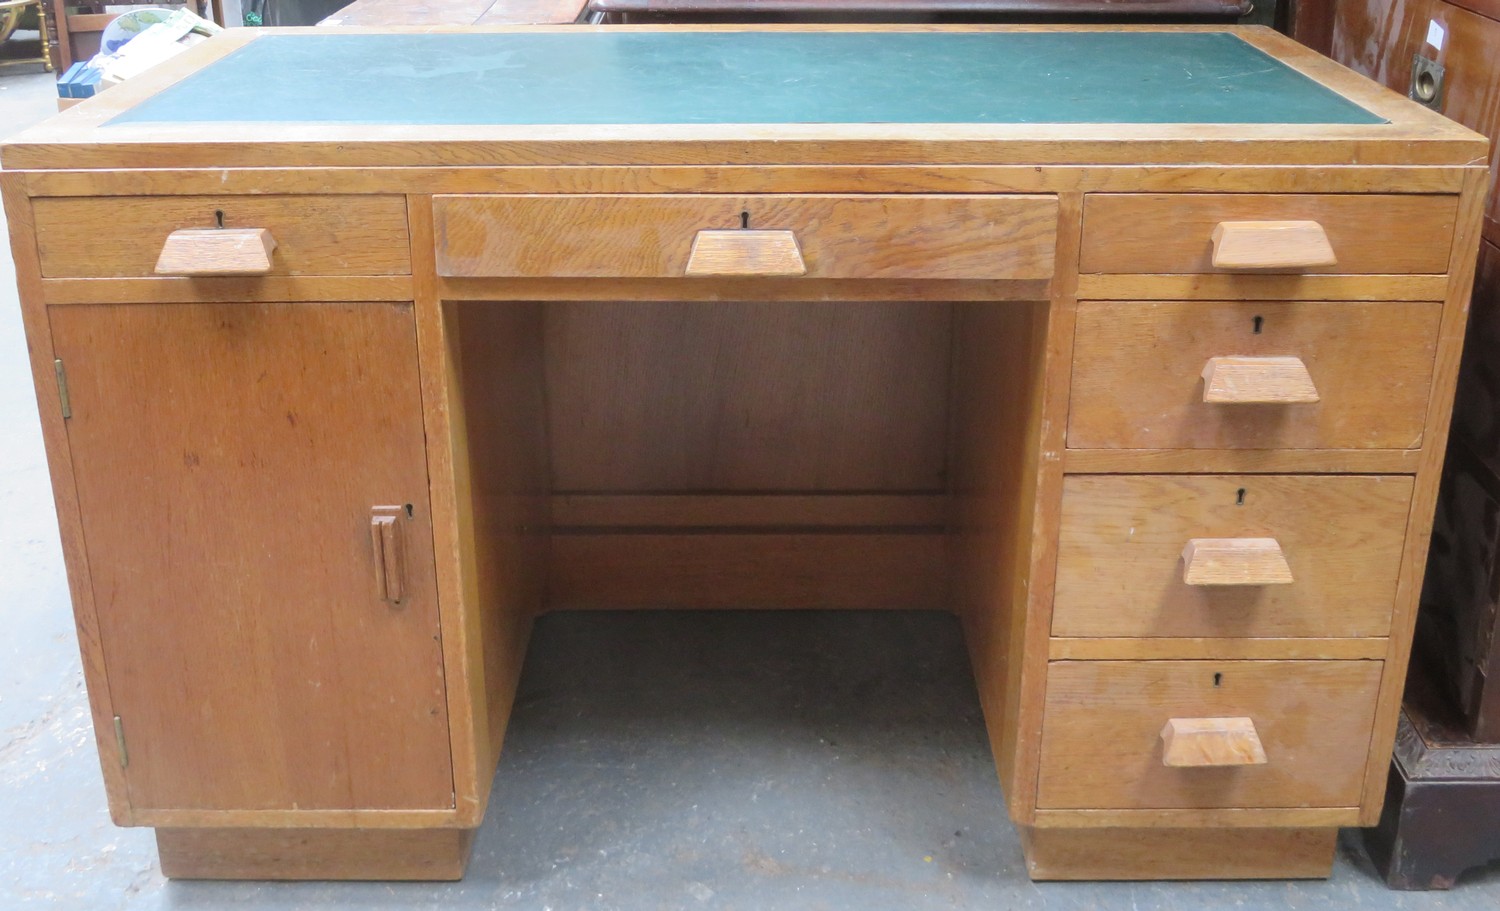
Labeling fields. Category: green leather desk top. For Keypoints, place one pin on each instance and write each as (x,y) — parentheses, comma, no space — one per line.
(748,77)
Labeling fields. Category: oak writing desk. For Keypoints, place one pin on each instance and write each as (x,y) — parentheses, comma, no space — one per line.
(1141,366)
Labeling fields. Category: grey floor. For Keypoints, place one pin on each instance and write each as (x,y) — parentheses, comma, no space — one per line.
(655,761)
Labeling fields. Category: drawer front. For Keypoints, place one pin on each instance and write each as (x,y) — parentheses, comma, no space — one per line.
(1167,232)
(123,237)
(1121,571)
(1138,374)
(899,237)
(1102,733)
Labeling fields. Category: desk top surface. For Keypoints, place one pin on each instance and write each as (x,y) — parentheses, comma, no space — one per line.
(748,77)
(685,95)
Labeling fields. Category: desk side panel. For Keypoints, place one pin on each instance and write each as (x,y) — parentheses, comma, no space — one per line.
(1461,267)
(18,213)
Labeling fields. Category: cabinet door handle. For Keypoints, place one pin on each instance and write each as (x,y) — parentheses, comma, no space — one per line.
(1234,561)
(1258,381)
(1279,245)
(1200,742)
(216,251)
(390,553)
(746,252)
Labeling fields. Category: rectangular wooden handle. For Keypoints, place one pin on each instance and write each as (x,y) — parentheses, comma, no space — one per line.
(1234,561)
(746,252)
(1201,742)
(1272,245)
(1258,381)
(389,546)
(216,251)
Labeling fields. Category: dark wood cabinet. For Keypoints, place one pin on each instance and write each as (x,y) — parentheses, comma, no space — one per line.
(1443,806)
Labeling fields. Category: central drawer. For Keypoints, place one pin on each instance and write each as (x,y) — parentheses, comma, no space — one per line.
(883,237)
(1121,570)
(1102,744)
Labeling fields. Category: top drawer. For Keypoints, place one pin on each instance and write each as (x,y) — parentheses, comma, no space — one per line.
(901,237)
(123,236)
(1174,232)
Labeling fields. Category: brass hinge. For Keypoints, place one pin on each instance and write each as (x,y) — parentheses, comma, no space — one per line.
(62,387)
(120,742)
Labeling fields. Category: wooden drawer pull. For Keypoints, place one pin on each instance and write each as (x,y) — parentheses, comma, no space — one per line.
(1283,245)
(1258,381)
(390,562)
(1234,561)
(216,251)
(1200,742)
(746,252)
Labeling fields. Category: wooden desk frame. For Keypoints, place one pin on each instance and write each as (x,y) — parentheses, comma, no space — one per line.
(1005,595)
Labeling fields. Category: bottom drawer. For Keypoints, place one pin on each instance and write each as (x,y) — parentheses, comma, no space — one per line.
(1102,745)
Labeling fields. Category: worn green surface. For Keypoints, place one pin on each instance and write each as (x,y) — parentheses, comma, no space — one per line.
(602,77)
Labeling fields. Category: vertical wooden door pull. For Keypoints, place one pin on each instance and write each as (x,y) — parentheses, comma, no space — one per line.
(387,540)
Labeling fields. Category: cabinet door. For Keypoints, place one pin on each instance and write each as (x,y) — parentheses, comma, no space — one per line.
(228,458)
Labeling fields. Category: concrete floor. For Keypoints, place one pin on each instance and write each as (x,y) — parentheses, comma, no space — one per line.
(655,761)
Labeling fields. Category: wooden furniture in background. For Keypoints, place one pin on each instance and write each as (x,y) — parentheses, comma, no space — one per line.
(75,27)
(485,375)
(388,13)
(13,14)
(1442,816)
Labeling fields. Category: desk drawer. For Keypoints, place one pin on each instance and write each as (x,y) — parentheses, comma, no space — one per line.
(1168,232)
(905,237)
(1102,744)
(1121,570)
(123,237)
(1138,375)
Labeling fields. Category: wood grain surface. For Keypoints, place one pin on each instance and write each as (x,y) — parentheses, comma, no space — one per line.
(1120,573)
(740,396)
(1192,743)
(1144,233)
(996,464)
(227,457)
(851,570)
(745,252)
(1234,561)
(300,854)
(217,251)
(1285,246)
(896,237)
(1258,381)
(1102,748)
(1379,38)
(109,237)
(1137,374)
(1195,853)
